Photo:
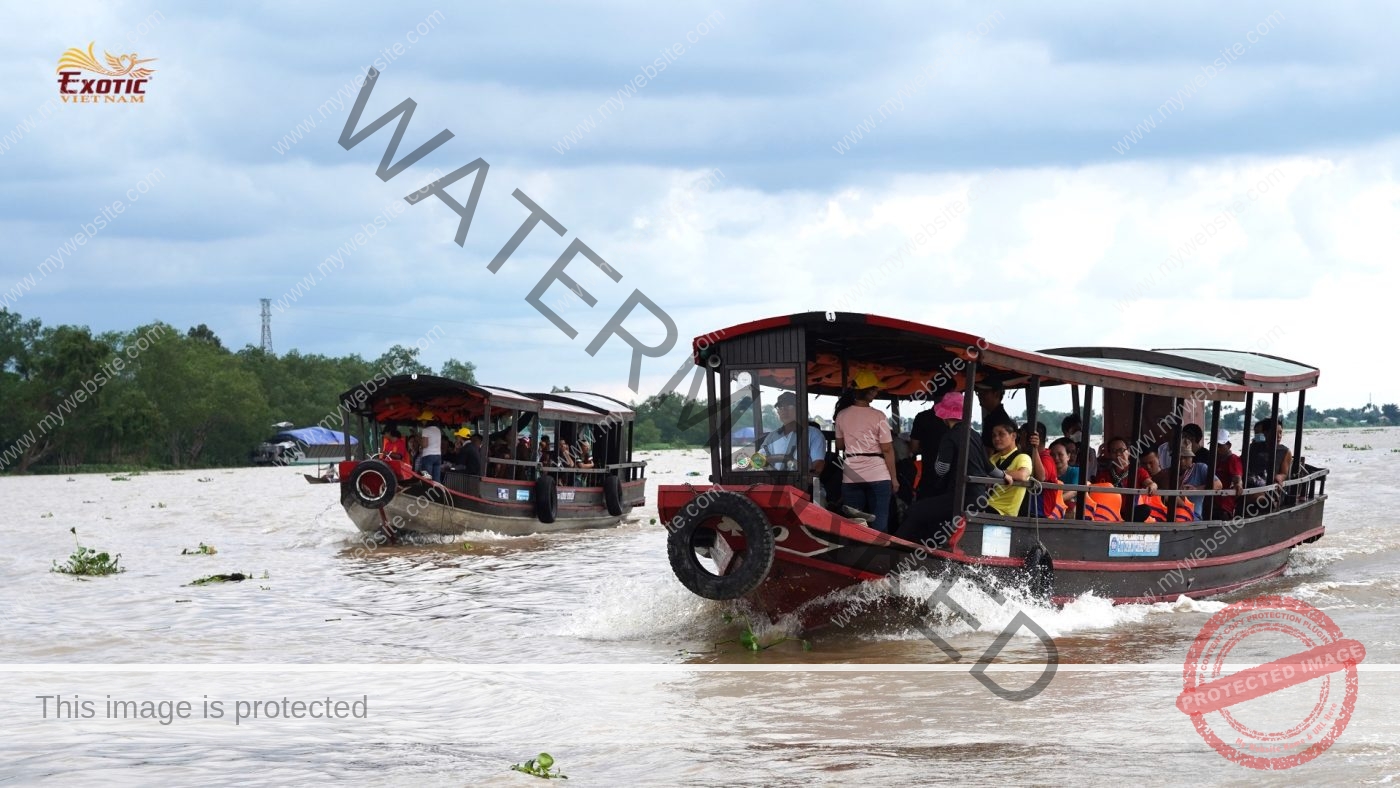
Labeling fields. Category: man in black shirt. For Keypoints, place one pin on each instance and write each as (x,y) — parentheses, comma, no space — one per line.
(989,396)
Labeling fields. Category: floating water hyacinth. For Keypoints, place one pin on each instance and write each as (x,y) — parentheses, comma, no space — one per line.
(87,561)
(539,766)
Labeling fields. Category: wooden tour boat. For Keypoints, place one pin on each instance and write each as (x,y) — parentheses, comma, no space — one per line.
(761,530)
(518,490)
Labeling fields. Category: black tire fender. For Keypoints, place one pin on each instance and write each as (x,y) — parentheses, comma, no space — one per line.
(373,484)
(612,494)
(546,498)
(1040,572)
(697,522)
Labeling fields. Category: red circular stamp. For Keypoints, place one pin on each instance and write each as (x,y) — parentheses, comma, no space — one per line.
(1314,714)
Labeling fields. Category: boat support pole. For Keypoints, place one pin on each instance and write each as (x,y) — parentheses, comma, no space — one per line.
(1178,408)
(1086,420)
(1246,438)
(1214,456)
(964,451)
(1297,469)
(1273,451)
(1131,503)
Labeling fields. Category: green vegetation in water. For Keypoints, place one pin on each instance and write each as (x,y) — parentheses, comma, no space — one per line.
(233,577)
(121,478)
(88,562)
(539,766)
(1356,447)
(205,479)
(158,505)
(750,641)
(203,549)
(45,515)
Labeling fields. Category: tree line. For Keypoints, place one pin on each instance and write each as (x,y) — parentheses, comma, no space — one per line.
(155,396)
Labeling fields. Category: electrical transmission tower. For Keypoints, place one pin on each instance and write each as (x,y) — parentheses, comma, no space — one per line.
(266,325)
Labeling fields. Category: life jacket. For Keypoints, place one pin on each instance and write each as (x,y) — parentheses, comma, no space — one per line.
(1056,510)
(1103,507)
(1185,510)
(1156,510)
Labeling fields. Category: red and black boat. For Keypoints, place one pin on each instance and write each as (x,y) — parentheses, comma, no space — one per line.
(518,487)
(760,530)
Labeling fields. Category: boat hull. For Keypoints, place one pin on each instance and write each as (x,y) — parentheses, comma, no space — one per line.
(472,503)
(818,552)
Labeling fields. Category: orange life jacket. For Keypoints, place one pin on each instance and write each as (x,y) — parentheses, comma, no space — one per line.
(1056,509)
(1104,507)
(1156,510)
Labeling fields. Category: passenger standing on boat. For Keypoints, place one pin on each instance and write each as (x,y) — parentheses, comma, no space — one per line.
(1229,470)
(430,457)
(863,433)
(925,438)
(931,516)
(780,445)
(1259,464)
(1073,429)
(1196,435)
(1192,475)
(1042,465)
(989,396)
(1009,465)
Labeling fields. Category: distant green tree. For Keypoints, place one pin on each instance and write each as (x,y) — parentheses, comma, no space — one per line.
(204,333)
(402,361)
(464,371)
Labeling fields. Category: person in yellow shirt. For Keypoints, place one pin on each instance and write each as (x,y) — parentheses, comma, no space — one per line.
(1009,464)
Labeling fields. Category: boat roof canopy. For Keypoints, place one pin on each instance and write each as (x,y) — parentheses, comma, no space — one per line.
(404,398)
(906,355)
(583,407)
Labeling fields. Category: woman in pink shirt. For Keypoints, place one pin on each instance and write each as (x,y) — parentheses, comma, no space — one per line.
(868,479)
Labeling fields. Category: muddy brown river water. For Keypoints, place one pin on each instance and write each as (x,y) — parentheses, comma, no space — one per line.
(467,656)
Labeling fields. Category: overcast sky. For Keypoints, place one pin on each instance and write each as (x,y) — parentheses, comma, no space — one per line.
(1066,161)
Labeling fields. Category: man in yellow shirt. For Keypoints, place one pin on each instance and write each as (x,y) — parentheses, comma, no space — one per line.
(1009,464)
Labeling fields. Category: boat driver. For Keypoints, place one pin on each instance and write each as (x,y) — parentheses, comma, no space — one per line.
(780,446)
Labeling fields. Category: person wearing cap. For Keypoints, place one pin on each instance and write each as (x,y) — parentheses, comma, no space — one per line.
(1196,435)
(1230,471)
(989,396)
(868,479)
(468,453)
(780,445)
(430,457)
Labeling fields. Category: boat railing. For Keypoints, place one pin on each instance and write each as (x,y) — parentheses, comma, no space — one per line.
(592,477)
(1315,481)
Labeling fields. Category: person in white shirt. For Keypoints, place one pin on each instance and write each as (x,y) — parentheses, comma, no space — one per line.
(430,458)
(780,445)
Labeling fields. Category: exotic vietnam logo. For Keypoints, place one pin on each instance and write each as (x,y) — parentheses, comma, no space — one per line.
(122,82)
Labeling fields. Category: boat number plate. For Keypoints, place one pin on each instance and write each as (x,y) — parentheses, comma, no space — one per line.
(996,540)
(1134,545)
(522,495)
(502,493)
(566,495)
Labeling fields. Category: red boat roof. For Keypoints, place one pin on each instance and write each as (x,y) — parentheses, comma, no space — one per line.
(923,349)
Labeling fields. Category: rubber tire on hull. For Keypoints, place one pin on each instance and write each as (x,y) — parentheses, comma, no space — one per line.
(383,471)
(612,495)
(1040,572)
(757,555)
(546,499)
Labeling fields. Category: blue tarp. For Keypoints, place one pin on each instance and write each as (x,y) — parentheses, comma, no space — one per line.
(315,436)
